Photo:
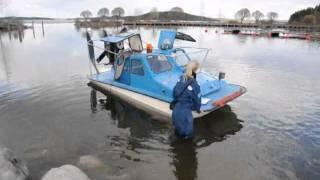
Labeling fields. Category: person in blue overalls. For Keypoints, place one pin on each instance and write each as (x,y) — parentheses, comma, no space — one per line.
(187,99)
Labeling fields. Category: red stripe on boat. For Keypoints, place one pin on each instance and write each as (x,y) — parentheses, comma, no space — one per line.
(226,99)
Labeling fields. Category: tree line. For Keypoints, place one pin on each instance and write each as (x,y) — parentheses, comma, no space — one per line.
(119,12)
(103,12)
(241,15)
(245,13)
(309,16)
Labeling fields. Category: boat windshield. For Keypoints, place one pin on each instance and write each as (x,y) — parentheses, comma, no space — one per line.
(159,63)
(184,55)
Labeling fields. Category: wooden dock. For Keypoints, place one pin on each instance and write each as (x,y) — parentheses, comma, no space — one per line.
(309,28)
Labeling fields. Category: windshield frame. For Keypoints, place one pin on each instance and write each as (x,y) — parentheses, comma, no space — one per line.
(187,51)
(152,66)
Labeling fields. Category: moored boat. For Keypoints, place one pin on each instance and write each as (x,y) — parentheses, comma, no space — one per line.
(145,78)
(231,31)
(251,32)
(278,33)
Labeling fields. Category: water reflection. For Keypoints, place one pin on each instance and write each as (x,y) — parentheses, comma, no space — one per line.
(214,127)
(242,40)
(4,60)
(184,160)
(93,100)
(16,35)
(19,33)
(140,123)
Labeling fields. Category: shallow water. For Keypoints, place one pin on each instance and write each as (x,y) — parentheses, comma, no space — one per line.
(49,116)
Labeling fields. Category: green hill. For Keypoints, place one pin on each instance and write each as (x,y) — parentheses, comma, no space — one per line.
(309,16)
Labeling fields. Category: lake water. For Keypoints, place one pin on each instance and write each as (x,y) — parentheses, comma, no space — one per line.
(49,116)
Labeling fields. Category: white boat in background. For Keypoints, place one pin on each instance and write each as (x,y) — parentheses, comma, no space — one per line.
(274,33)
(251,32)
(297,36)
(231,31)
(278,33)
(281,33)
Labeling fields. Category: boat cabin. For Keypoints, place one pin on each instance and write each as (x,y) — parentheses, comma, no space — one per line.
(155,72)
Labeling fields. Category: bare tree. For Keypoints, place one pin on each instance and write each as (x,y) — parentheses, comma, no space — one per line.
(154,13)
(103,12)
(86,14)
(137,11)
(258,15)
(154,9)
(176,9)
(118,11)
(242,14)
(272,16)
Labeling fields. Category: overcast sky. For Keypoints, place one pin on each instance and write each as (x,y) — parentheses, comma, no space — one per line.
(211,8)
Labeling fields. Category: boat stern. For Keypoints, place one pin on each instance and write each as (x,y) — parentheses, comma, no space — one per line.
(218,99)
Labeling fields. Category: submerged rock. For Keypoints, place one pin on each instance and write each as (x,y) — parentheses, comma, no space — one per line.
(94,166)
(90,162)
(12,168)
(98,169)
(65,172)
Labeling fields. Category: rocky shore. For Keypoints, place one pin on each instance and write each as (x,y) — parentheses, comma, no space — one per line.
(65,172)
(12,168)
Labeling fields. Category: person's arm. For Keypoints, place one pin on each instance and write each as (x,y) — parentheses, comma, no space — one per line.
(176,90)
(196,97)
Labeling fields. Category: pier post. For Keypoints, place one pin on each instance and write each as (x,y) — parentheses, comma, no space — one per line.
(9,29)
(42,25)
(34,35)
(19,32)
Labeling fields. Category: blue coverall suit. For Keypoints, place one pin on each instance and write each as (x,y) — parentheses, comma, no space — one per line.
(189,100)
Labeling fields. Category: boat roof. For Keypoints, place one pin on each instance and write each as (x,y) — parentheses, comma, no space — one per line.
(118,37)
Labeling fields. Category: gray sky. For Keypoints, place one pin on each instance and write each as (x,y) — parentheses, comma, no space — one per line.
(212,8)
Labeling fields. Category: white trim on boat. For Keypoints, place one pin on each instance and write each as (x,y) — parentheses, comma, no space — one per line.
(159,109)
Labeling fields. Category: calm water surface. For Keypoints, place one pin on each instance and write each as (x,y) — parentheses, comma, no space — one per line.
(49,116)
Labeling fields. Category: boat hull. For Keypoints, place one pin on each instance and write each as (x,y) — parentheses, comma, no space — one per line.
(158,109)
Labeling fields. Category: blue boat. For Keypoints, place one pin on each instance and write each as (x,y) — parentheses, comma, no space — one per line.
(145,78)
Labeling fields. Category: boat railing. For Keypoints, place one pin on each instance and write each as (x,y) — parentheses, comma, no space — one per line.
(198,50)
(188,52)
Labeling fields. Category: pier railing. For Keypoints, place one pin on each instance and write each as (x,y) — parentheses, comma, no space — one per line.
(224,25)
